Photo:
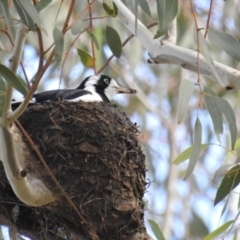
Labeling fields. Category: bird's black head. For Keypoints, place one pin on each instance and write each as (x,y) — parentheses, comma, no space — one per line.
(101,81)
(103,85)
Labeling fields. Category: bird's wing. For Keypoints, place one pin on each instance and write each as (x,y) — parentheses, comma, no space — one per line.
(17,102)
(61,94)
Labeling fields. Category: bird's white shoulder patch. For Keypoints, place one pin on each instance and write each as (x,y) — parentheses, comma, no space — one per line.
(86,98)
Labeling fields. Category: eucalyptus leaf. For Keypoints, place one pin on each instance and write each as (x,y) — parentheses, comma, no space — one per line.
(87,60)
(167,11)
(206,53)
(78,26)
(185,92)
(211,100)
(2,95)
(229,182)
(185,155)
(136,14)
(226,42)
(235,221)
(145,7)
(59,43)
(114,41)
(32,12)
(230,117)
(4,7)
(95,41)
(12,79)
(237,145)
(112,11)
(26,19)
(217,105)
(42,4)
(220,173)
(196,148)
(214,234)
(156,229)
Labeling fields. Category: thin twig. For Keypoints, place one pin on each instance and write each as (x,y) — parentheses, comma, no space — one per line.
(208,19)
(91,30)
(198,41)
(8,35)
(70,10)
(12,43)
(110,58)
(198,54)
(14,62)
(77,18)
(48,170)
(66,54)
(41,49)
(18,112)
(65,26)
(25,74)
(123,44)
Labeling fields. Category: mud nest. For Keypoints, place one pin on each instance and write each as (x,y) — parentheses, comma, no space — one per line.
(93,151)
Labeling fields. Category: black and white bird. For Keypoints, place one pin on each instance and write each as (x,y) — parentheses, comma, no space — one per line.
(95,88)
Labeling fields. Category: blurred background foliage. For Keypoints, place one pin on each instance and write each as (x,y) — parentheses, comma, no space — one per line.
(183,209)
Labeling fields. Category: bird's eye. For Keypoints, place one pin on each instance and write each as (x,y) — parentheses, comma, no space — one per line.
(106,80)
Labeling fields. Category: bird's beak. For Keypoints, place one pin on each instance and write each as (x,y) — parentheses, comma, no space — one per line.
(126,90)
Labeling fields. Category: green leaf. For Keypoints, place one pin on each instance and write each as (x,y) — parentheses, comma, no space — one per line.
(229,182)
(185,155)
(42,4)
(197,227)
(145,7)
(214,111)
(2,94)
(26,19)
(112,11)
(12,79)
(235,220)
(32,12)
(221,171)
(78,26)
(136,15)
(167,11)
(237,145)
(196,148)
(235,237)
(226,42)
(230,117)
(206,53)
(59,42)
(156,229)
(216,104)
(114,41)
(87,60)
(95,41)
(213,235)
(159,33)
(4,7)
(185,92)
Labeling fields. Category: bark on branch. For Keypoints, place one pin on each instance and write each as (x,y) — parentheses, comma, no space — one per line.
(168,53)
(13,152)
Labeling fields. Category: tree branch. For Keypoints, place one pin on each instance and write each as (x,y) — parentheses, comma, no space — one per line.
(14,62)
(19,111)
(166,52)
(13,152)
